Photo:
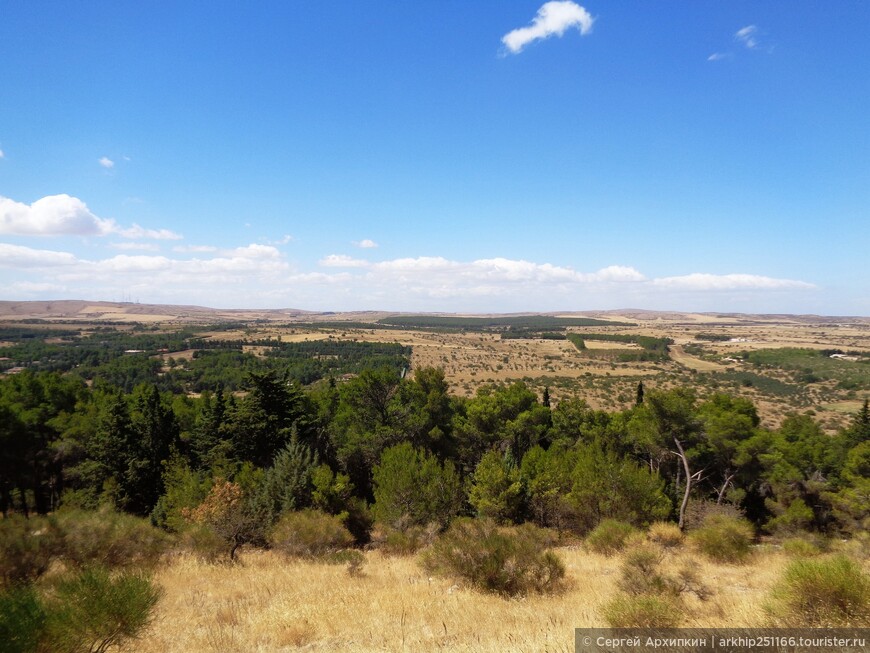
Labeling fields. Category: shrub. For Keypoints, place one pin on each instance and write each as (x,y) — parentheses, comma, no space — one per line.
(403,541)
(94,611)
(643,611)
(822,593)
(353,558)
(204,543)
(506,561)
(309,533)
(231,515)
(698,511)
(799,547)
(27,547)
(723,539)
(22,620)
(666,534)
(109,539)
(640,572)
(609,536)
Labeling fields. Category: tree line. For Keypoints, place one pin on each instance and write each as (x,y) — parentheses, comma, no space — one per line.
(406,452)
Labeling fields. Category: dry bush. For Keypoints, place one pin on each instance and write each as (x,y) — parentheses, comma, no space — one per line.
(723,539)
(699,510)
(403,541)
(822,593)
(109,539)
(609,536)
(643,611)
(309,533)
(665,534)
(508,560)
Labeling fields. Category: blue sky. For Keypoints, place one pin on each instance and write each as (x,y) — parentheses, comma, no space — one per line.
(447,156)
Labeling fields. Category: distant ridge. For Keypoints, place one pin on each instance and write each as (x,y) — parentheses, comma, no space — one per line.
(101,311)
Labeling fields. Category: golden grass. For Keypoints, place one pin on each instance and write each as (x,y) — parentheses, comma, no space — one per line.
(268,603)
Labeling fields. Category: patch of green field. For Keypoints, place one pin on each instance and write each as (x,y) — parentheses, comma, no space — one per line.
(813,365)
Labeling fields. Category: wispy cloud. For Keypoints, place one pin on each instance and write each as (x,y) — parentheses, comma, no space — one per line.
(64,215)
(553,18)
(366,243)
(106,162)
(718,56)
(194,248)
(2,154)
(748,36)
(142,247)
(713,282)
(342,261)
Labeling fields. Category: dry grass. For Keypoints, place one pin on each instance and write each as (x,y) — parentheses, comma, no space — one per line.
(270,604)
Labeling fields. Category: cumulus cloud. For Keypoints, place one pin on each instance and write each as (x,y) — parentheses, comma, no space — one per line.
(106,162)
(748,36)
(260,275)
(711,282)
(51,216)
(367,243)
(553,18)
(64,215)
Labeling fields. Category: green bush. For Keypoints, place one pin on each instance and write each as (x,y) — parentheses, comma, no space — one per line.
(27,547)
(506,561)
(609,536)
(22,620)
(109,539)
(799,547)
(309,533)
(723,539)
(643,611)
(822,593)
(94,611)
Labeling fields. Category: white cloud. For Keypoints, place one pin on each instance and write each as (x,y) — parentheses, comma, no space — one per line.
(106,162)
(260,275)
(54,215)
(748,36)
(64,215)
(712,282)
(2,154)
(342,261)
(194,248)
(141,232)
(553,18)
(144,247)
(366,243)
(16,256)
(718,56)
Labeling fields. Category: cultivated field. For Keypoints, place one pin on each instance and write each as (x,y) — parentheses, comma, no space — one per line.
(473,357)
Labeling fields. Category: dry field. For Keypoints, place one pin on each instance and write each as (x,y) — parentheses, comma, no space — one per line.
(471,359)
(268,603)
